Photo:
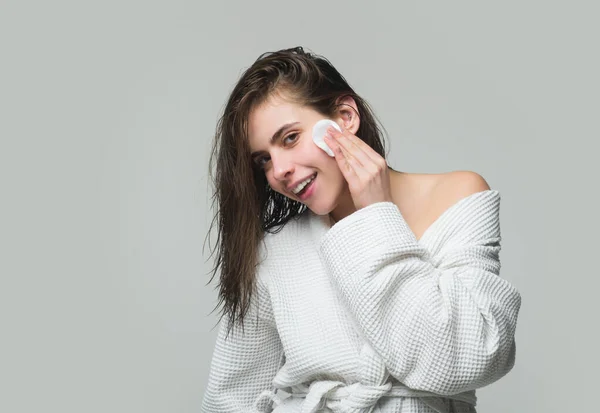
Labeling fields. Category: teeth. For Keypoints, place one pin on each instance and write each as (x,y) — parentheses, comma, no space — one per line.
(301,185)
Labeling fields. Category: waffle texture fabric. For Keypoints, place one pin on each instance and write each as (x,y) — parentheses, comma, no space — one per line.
(362,317)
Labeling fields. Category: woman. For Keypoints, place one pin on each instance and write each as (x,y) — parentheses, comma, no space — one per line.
(347,286)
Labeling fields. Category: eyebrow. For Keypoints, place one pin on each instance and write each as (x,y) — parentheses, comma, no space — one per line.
(276,136)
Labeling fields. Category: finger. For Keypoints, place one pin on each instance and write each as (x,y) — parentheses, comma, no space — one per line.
(359,143)
(349,148)
(352,150)
(346,162)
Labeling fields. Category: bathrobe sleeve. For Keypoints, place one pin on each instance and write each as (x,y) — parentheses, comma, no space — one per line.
(244,363)
(442,321)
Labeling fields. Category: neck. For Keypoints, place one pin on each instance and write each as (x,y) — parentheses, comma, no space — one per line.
(346,206)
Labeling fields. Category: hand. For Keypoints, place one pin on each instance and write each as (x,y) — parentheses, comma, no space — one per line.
(364,169)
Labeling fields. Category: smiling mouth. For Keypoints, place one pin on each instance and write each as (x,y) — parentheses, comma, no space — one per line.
(299,194)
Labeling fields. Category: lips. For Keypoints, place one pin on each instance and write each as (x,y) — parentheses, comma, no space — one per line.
(291,188)
(307,190)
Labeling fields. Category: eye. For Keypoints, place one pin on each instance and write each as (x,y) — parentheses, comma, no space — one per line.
(294,135)
(262,160)
(259,161)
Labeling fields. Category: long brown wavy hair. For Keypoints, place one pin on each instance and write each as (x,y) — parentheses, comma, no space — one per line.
(246,206)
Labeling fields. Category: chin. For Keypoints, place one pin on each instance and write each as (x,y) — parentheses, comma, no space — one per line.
(325,207)
(320,209)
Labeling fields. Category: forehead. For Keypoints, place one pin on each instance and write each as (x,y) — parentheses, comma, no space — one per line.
(268,117)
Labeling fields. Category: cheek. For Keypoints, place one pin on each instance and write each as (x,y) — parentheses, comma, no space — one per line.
(273,183)
(319,156)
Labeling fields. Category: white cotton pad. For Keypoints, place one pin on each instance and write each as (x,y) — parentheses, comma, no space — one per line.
(318,134)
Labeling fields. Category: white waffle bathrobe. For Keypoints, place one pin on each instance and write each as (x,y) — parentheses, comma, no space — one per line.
(362,317)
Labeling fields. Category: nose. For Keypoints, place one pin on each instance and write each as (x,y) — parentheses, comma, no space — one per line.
(283,166)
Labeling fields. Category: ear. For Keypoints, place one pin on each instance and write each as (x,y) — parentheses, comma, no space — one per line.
(347,115)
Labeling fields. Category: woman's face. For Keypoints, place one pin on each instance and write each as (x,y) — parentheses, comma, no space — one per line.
(280,138)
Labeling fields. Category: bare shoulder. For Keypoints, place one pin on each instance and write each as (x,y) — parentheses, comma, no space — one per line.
(453,186)
(422,189)
(433,194)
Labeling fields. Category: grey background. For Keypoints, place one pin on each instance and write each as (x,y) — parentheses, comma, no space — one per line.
(107,110)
